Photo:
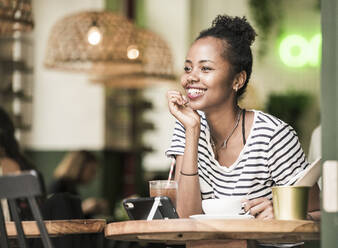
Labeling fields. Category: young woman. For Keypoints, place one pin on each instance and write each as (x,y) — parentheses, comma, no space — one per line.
(222,150)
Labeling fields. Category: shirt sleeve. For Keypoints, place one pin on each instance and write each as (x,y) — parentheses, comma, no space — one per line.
(285,156)
(177,142)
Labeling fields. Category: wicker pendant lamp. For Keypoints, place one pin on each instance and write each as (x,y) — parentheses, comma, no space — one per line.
(156,64)
(15,15)
(92,42)
(109,48)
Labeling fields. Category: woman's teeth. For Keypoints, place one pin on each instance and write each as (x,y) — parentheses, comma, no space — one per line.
(195,92)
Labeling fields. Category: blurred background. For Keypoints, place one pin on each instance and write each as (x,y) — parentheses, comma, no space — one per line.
(66,93)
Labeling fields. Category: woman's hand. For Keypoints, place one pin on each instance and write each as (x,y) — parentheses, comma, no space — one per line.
(261,208)
(179,108)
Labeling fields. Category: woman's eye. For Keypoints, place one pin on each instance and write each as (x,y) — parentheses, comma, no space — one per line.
(187,69)
(206,68)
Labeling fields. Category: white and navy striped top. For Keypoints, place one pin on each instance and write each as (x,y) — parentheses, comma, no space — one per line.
(271,156)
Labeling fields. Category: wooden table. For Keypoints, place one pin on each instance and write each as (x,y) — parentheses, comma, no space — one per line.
(58,227)
(200,233)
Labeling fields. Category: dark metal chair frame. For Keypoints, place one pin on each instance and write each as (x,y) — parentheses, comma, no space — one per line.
(24,185)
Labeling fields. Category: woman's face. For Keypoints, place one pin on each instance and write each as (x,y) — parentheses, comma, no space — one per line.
(207,78)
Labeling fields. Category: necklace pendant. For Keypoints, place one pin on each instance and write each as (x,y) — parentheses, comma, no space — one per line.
(224,145)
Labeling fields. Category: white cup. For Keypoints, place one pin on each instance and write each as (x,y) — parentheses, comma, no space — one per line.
(223,206)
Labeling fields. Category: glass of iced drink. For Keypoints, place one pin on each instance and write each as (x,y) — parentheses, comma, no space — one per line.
(163,188)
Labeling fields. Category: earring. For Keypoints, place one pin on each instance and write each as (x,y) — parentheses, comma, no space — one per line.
(236,89)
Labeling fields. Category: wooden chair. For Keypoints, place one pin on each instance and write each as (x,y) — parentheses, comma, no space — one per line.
(24,185)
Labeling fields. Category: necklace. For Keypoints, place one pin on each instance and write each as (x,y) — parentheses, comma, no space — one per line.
(224,145)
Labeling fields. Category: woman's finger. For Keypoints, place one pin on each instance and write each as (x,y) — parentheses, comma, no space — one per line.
(267,213)
(248,204)
(176,99)
(179,99)
(173,93)
(258,206)
(169,92)
(183,98)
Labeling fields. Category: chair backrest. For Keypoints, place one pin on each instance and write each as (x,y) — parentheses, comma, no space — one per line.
(24,185)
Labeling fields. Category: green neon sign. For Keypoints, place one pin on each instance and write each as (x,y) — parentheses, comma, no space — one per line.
(296,51)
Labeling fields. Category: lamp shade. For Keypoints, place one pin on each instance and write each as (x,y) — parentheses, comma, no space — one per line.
(156,64)
(15,15)
(72,46)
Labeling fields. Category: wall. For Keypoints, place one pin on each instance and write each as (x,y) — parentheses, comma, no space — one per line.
(270,75)
(68,111)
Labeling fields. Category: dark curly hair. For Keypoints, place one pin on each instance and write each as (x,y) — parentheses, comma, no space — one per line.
(238,35)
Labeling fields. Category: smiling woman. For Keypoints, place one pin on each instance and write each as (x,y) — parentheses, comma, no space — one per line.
(222,150)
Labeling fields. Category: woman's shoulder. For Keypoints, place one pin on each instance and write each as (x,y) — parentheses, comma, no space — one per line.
(268,120)
(9,166)
(272,125)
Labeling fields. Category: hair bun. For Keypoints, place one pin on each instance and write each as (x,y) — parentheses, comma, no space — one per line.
(237,26)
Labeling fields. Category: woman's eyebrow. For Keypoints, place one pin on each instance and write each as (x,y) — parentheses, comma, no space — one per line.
(205,60)
(201,61)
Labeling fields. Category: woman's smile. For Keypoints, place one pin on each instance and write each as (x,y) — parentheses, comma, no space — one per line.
(193,93)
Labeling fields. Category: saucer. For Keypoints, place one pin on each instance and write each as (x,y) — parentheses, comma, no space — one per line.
(220,217)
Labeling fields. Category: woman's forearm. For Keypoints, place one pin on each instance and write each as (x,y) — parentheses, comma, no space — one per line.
(188,194)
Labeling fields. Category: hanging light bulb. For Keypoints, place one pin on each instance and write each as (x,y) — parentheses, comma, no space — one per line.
(94,35)
(132,52)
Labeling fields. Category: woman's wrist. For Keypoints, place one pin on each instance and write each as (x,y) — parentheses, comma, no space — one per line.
(192,132)
(189,174)
(194,124)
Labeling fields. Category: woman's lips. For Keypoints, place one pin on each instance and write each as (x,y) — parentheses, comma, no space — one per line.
(194,93)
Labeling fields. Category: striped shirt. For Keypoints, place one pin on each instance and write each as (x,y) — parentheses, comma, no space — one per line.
(271,156)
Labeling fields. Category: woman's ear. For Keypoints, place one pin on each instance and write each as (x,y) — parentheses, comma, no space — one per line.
(239,81)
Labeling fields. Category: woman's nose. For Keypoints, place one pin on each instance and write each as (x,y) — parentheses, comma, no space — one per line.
(192,77)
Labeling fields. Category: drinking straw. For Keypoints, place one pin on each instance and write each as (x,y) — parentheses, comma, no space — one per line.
(172,165)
